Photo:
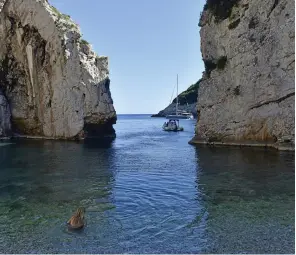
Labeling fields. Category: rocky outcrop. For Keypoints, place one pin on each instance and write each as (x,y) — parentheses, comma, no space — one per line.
(187,102)
(55,85)
(247,95)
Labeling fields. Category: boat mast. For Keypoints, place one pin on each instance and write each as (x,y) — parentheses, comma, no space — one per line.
(177,97)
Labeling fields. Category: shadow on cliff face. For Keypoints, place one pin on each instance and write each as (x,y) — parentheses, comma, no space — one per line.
(14,78)
(97,126)
(28,70)
(100,130)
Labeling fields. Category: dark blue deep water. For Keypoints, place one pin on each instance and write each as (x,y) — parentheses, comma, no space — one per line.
(148,191)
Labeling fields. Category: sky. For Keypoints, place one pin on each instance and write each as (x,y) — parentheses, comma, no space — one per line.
(148,43)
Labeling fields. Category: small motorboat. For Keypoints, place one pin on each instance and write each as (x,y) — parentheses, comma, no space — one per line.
(172,125)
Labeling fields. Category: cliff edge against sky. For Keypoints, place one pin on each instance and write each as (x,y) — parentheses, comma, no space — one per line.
(51,82)
(247,94)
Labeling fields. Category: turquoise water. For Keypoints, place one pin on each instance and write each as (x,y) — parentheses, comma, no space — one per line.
(147,191)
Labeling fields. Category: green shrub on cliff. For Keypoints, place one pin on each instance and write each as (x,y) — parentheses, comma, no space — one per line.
(221,63)
(190,95)
(221,9)
(83,41)
(66,18)
(209,66)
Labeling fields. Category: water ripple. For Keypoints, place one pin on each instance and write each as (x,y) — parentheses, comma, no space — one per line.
(146,192)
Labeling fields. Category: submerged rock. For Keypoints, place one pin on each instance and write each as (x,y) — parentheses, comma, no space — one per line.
(247,95)
(56,86)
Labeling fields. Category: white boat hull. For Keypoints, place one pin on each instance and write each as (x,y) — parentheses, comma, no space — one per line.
(173,129)
(180,117)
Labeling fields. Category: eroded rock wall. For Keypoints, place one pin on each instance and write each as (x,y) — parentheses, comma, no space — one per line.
(56,86)
(5,125)
(248,90)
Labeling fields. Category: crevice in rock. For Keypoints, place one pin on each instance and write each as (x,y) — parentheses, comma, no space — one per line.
(275,3)
(5,116)
(273,101)
(234,24)
(253,23)
(15,77)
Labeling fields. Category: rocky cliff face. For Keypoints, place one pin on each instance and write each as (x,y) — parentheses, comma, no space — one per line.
(5,126)
(52,83)
(247,94)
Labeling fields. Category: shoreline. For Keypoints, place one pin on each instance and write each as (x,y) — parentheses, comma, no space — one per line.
(157,116)
(274,146)
(44,138)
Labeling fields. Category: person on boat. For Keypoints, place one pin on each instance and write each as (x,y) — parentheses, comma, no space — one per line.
(171,125)
(175,125)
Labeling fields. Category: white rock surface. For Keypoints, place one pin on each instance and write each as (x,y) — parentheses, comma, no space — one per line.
(252,98)
(55,84)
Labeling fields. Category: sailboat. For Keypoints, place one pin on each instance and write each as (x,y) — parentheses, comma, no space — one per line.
(173,123)
(180,114)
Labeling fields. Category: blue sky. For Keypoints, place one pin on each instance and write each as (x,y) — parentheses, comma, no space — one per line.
(148,43)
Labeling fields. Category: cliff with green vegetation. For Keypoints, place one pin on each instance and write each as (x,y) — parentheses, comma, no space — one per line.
(187,102)
(247,95)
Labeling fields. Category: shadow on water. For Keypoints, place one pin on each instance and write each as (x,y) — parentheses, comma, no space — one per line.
(106,142)
(249,195)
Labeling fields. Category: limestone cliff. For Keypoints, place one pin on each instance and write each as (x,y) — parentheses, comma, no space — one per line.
(248,92)
(53,82)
